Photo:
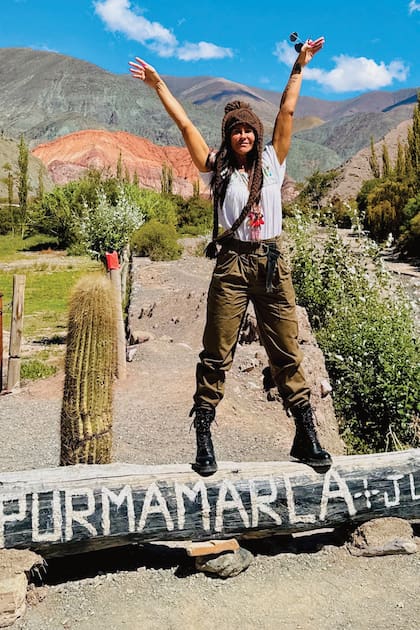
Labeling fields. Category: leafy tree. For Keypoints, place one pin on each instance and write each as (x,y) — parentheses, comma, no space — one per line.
(414,142)
(385,204)
(385,201)
(195,215)
(119,173)
(10,185)
(386,162)
(317,186)
(400,168)
(23,185)
(108,227)
(167,179)
(41,186)
(410,240)
(373,160)
(196,189)
(156,240)
(55,215)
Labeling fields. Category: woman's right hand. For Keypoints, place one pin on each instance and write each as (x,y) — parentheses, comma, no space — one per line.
(141,70)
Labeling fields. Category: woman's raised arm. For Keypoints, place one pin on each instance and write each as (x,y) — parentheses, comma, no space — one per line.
(282,134)
(193,139)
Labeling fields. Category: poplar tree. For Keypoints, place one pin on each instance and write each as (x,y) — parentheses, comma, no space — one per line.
(10,185)
(167,179)
(120,168)
(41,186)
(386,162)
(399,168)
(23,158)
(413,149)
(373,160)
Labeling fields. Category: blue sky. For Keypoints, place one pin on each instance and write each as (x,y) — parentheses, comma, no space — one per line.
(370,44)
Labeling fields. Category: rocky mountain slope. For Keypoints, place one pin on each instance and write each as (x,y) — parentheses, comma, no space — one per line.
(46,95)
(356,170)
(68,157)
(8,156)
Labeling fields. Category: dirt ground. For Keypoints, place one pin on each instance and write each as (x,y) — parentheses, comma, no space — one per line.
(306,582)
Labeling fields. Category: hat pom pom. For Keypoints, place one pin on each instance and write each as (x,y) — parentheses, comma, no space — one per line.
(230,107)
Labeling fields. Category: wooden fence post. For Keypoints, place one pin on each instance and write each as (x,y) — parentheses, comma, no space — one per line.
(115,275)
(1,341)
(16,332)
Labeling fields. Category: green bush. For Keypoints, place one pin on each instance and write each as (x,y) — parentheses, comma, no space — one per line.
(106,226)
(154,205)
(156,240)
(409,241)
(6,220)
(32,369)
(365,327)
(195,216)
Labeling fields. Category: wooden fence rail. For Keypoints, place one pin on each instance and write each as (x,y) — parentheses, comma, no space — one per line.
(72,509)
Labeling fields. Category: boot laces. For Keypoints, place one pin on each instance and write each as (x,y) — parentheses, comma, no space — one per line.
(202,421)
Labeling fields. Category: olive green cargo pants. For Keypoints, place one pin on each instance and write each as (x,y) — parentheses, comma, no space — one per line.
(240,276)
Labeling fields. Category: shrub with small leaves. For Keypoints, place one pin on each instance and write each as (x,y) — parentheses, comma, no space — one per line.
(365,326)
(107,227)
(156,240)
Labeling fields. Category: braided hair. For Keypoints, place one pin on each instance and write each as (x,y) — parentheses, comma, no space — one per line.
(224,164)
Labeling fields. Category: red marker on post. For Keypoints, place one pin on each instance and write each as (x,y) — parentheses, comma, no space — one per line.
(112,261)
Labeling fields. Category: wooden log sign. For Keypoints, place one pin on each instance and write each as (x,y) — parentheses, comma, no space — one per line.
(43,509)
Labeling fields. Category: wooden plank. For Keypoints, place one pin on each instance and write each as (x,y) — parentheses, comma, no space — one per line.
(81,507)
(211,547)
(16,325)
(115,275)
(16,332)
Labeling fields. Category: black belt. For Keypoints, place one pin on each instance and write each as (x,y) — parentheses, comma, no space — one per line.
(267,248)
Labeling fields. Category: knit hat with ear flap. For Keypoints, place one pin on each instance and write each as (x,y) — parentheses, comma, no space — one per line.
(236,113)
(239,112)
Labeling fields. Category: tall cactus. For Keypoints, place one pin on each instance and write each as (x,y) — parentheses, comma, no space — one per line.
(86,415)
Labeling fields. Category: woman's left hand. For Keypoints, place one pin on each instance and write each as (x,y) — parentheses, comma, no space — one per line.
(309,50)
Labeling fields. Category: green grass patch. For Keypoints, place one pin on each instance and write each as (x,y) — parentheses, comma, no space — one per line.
(14,247)
(46,297)
(32,369)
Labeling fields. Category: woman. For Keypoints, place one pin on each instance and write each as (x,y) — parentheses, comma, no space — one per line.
(245,180)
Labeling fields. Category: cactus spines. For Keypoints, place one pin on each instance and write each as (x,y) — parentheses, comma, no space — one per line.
(86,414)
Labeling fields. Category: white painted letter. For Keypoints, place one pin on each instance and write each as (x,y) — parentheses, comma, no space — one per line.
(414,496)
(180,490)
(396,501)
(108,496)
(57,519)
(79,516)
(293,517)
(234,504)
(153,492)
(342,492)
(260,502)
(15,516)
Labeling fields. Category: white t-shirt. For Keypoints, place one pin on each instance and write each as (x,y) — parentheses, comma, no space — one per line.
(237,195)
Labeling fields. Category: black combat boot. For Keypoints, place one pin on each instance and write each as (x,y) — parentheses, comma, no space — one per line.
(305,446)
(205,461)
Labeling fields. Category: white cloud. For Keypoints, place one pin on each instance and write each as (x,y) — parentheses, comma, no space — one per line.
(119,16)
(285,53)
(413,6)
(202,50)
(358,73)
(350,74)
